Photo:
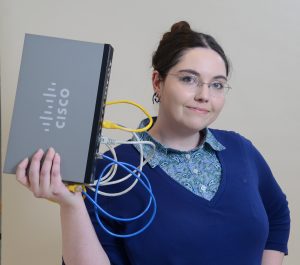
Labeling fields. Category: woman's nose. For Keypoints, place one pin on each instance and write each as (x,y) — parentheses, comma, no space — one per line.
(202,92)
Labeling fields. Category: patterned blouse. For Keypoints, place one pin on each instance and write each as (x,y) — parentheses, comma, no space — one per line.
(198,170)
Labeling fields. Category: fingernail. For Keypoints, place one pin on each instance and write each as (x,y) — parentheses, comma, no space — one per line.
(24,160)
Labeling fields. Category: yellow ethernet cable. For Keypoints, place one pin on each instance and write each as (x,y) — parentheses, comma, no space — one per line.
(111,125)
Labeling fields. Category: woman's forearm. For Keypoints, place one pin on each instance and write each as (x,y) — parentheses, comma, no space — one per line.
(79,241)
(272,257)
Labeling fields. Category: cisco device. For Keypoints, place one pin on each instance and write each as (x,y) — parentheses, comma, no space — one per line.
(60,102)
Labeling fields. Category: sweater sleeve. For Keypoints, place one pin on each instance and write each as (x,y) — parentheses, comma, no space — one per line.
(275,204)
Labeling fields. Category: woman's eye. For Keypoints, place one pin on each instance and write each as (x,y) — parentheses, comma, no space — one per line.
(188,79)
(217,85)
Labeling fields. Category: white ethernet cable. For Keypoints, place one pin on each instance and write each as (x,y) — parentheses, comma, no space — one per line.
(108,142)
(106,180)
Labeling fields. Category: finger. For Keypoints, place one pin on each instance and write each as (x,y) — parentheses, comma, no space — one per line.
(46,170)
(21,172)
(55,172)
(34,172)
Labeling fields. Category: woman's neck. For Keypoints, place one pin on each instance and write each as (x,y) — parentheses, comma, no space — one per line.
(171,137)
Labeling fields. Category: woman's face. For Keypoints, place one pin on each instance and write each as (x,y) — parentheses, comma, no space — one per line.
(185,103)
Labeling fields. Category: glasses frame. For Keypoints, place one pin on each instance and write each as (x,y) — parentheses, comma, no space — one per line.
(200,84)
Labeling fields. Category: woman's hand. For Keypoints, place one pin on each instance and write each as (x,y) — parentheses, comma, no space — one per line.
(43,179)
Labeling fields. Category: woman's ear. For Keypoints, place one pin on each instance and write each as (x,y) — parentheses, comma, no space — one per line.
(156,82)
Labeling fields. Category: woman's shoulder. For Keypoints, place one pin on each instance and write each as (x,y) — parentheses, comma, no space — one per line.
(227,136)
(235,141)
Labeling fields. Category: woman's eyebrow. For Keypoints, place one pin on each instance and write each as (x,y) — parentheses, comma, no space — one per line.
(191,71)
(220,77)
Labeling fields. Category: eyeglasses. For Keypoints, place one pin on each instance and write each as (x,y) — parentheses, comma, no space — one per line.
(217,88)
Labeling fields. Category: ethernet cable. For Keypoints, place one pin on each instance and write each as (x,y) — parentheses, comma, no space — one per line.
(142,163)
(107,179)
(111,125)
(147,186)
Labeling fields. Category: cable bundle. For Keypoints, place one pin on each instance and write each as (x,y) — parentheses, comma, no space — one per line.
(108,173)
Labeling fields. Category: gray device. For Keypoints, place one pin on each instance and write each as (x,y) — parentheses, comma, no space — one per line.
(60,102)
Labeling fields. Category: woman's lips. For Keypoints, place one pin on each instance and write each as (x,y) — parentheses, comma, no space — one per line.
(199,110)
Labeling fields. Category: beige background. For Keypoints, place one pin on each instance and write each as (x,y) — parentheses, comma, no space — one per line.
(261,38)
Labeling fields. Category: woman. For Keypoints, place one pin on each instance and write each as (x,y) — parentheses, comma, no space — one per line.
(217,200)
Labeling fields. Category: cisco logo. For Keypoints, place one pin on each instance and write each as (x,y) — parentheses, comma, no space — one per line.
(55,113)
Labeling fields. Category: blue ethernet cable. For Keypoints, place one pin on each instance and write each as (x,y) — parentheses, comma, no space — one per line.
(112,216)
(147,186)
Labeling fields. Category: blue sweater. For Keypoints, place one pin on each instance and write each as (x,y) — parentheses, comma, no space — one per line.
(248,214)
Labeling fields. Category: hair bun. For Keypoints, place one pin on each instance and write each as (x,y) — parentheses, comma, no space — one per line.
(181,26)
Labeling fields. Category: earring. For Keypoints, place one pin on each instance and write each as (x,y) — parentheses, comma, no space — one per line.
(155,98)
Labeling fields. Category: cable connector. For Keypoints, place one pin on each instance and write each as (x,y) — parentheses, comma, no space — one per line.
(109,125)
(107,140)
(76,188)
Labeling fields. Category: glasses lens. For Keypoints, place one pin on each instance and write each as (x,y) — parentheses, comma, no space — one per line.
(218,89)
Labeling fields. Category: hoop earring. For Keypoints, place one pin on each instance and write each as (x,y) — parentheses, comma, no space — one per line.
(155,98)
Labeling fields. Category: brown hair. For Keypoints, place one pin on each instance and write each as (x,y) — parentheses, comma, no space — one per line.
(175,42)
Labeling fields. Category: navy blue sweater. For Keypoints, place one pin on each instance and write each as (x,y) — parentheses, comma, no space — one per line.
(248,214)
